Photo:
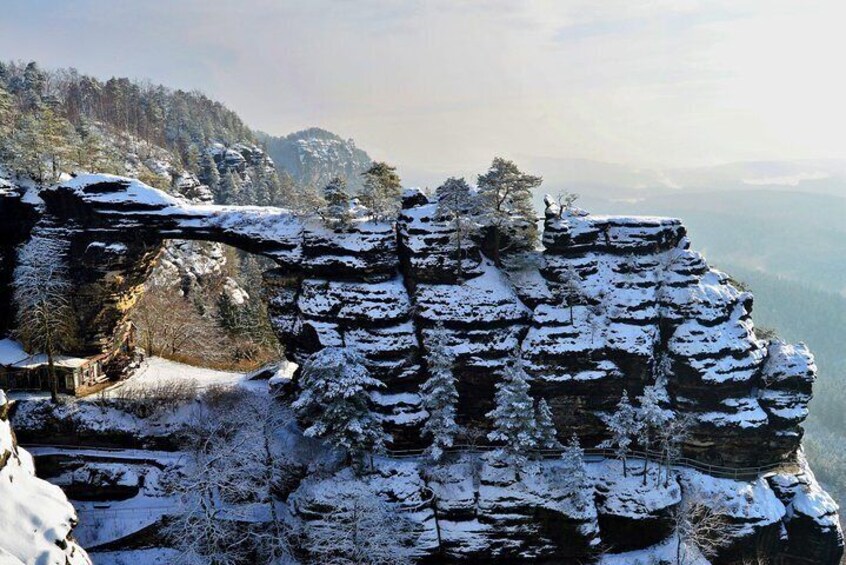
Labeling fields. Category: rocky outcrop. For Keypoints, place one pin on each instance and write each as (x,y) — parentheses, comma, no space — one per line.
(610,304)
(314,156)
(36,520)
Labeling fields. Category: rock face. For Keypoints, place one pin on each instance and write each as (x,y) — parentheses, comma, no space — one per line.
(313,156)
(611,304)
(36,520)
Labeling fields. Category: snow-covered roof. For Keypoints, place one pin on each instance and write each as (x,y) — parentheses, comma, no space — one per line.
(40,359)
(11,352)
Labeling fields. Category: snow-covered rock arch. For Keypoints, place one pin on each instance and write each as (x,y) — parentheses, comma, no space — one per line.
(647,304)
(648,307)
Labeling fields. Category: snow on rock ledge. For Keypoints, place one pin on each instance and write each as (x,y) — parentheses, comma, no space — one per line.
(36,520)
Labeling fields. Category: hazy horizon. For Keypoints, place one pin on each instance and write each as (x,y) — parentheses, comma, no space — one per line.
(443,86)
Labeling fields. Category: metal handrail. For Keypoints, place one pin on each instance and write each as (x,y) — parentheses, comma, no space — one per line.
(723,471)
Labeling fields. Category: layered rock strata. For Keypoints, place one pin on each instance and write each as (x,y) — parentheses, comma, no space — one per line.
(610,304)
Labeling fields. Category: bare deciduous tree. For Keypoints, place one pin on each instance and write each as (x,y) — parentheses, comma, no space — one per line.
(170,325)
(228,512)
(360,529)
(701,527)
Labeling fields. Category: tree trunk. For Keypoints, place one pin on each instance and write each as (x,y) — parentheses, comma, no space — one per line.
(646,465)
(497,238)
(51,376)
(458,242)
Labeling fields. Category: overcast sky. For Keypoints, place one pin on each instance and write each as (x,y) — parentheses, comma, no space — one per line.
(444,85)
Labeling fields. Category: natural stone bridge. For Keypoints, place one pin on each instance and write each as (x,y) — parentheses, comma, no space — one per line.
(647,308)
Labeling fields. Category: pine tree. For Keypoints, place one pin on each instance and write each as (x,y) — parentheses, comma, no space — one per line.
(571,288)
(90,153)
(336,212)
(272,188)
(32,87)
(547,434)
(456,204)
(624,427)
(191,158)
(209,174)
(26,147)
(440,397)
(229,189)
(573,473)
(335,401)
(514,423)
(382,190)
(652,418)
(6,116)
(505,199)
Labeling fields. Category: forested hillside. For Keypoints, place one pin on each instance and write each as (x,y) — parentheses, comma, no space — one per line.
(60,122)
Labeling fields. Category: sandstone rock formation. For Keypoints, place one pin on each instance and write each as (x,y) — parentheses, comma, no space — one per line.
(611,304)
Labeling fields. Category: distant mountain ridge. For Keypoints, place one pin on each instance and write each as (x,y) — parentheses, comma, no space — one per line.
(312,157)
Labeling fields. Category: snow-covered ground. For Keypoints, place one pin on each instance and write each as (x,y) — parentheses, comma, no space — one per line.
(157,371)
(664,552)
(105,521)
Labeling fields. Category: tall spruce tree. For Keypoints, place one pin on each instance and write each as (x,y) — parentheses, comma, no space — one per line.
(26,146)
(546,433)
(6,114)
(440,397)
(507,212)
(335,402)
(456,205)
(336,211)
(229,188)
(574,477)
(624,426)
(514,424)
(209,175)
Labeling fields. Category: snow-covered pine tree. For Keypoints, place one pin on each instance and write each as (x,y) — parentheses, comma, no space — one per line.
(571,288)
(573,473)
(58,137)
(456,205)
(624,426)
(652,419)
(6,121)
(547,435)
(336,212)
(229,188)
(514,424)
(25,146)
(45,317)
(507,211)
(382,190)
(440,397)
(209,174)
(335,401)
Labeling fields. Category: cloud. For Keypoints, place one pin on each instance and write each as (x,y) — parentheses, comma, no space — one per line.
(444,85)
